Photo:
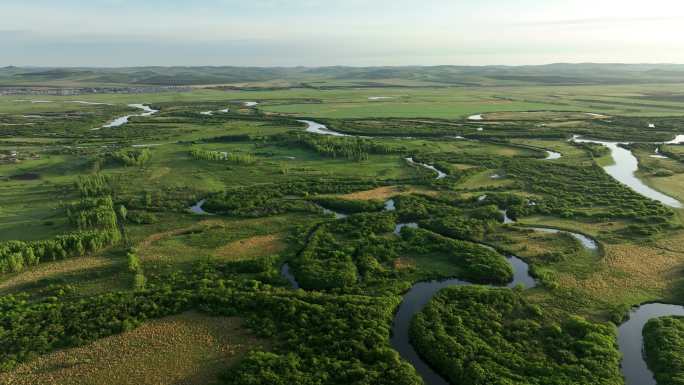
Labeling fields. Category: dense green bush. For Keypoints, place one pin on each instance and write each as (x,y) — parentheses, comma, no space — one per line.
(141,217)
(132,157)
(93,185)
(317,339)
(349,206)
(350,148)
(16,255)
(479,336)
(92,213)
(242,159)
(478,263)
(276,198)
(664,347)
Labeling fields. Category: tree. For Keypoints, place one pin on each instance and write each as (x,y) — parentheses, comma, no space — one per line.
(123,212)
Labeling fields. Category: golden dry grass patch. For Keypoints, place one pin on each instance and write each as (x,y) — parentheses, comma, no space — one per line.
(673,242)
(52,269)
(188,349)
(593,229)
(651,266)
(257,246)
(629,271)
(404,263)
(386,192)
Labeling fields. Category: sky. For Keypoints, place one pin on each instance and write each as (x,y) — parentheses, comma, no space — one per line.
(115,33)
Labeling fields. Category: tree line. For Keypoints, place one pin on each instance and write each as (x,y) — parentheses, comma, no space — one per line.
(235,158)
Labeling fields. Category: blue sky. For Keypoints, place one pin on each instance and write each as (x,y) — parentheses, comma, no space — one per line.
(338,32)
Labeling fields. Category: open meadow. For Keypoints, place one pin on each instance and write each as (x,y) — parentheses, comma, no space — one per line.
(267,232)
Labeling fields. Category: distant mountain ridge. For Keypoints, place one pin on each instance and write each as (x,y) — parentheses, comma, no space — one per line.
(445,75)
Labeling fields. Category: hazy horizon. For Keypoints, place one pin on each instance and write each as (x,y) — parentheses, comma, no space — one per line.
(278,33)
(339,65)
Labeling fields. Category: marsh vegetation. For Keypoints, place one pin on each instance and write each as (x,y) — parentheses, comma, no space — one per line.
(97,240)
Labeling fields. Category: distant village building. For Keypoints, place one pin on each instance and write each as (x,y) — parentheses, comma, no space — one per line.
(52,91)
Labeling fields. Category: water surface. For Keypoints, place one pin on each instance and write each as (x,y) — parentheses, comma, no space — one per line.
(321,129)
(389,205)
(679,139)
(440,174)
(631,341)
(552,155)
(397,228)
(285,272)
(626,164)
(147,111)
(415,300)
(197,208)
(587,242)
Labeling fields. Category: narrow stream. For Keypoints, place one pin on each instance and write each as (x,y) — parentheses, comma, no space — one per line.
(285,272)
(440,174)
(587,242)
(197,208)
(147,111)
(552,155)
(658,154)
(321,129)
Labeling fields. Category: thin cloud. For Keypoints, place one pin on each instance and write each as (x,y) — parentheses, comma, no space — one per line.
(601,21)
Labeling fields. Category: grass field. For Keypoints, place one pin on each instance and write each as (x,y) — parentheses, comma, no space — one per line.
(264,208)
(188,349)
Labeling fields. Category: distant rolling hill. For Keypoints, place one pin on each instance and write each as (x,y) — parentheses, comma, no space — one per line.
(552,74)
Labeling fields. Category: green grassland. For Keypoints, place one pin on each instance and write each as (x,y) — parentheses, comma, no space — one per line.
(263,177)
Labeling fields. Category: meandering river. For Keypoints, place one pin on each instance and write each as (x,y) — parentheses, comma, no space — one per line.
(626,164)
(552,155)
(587,242)
(630,339)
(197,208)
(147,111)
(321,129)
(440,174)
(679,139)
(419,295)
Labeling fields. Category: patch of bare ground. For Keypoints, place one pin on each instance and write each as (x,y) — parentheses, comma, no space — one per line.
(188,349)
(404,263)
(258,246)
(386,192)
(52,269)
